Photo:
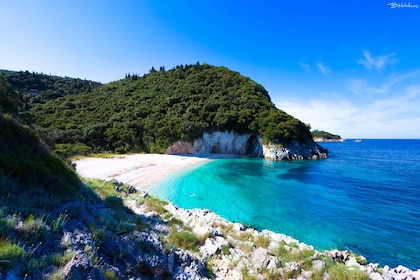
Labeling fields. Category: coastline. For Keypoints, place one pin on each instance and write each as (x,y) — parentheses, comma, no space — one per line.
(139,170)
(144,170)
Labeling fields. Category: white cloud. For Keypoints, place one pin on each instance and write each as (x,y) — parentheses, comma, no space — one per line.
(363,87)
(325,70)
(377,63)
(305,67)
(395,117)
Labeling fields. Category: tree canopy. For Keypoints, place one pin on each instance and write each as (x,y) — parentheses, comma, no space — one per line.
(149,113)
(324,134)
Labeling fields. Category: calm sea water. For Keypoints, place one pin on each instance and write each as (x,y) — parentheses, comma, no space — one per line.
(365,197)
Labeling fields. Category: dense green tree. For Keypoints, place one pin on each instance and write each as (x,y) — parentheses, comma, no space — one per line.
(324,134)
(31,88)
(153,111)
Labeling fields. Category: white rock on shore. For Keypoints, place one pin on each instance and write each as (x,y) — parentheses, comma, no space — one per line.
(245,255)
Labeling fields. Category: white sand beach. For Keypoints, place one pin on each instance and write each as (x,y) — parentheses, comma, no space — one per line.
(139,170)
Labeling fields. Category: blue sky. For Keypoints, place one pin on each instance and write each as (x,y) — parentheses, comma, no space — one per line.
(348,67)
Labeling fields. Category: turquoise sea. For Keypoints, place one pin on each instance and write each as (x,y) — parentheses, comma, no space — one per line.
(365,197)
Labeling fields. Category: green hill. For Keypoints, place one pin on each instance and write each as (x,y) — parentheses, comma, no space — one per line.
(32,88)
(149,113)
(325,135)
(22,155)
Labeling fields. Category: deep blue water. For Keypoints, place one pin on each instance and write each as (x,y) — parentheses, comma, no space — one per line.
(365,197)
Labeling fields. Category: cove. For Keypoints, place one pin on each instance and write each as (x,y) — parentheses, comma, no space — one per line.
(346,202)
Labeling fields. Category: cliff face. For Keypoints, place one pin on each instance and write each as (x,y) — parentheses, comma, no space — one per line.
(246,144)
(220,143)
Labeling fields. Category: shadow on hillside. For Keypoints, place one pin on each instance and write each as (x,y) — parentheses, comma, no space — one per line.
(46,224)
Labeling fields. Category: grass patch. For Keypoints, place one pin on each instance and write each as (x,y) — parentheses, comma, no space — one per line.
(109,274)
(342,272)
(226,249)
(33,228)
(246,275)
(10,254)
(98,155)
(61,259)
(103,189)
(209,268)
(155,205)
(262,241)
(184,240)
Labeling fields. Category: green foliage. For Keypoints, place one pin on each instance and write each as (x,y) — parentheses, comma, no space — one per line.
(342,272)
(156,205)
(323,134)
(8,100)
(33,228)
(32,88)
(184,240)
(262,241)
(149,113)
(22,156)
(209,268)
(10,254)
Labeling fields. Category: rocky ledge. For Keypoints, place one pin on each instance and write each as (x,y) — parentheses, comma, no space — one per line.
(237,252)
(247,144)
(228,250)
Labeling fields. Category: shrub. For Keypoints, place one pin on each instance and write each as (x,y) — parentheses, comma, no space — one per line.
(154,204)
(262,241)
(59,222)
(184,240)
(342,272)
(33,229)
(10,254)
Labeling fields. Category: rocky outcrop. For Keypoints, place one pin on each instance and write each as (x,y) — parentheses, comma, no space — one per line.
(238,252)
(323,139)
(80,268)
(247,144)
(294,151)
(220,143)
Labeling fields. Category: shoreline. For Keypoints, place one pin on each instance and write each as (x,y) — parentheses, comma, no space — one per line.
(139,170)
(143,171)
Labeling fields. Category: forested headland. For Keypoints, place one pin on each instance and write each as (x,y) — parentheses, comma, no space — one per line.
(150,112)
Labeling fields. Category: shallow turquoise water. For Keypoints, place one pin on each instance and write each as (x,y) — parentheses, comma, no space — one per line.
(365,197)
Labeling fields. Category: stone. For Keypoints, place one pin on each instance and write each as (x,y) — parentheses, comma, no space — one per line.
(318,265)
(375,276)
(294,151)
(212,246)
(351,261)
(238,227)
(80,268)
(131,189)
(306,274)
(259,258)
(416,274)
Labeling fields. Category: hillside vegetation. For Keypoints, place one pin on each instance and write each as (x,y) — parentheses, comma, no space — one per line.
(149,113)
(325,135)
(54,225)
(33,88)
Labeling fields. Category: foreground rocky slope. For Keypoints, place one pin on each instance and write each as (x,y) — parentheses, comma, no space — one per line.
(116,232)
(237,252)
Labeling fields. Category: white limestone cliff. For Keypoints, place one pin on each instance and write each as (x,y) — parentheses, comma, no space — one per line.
(246,144)
(220,143)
